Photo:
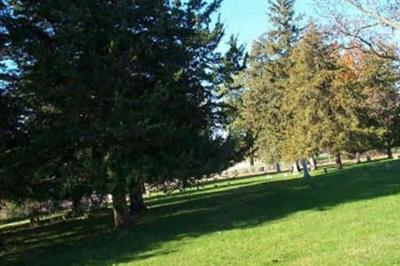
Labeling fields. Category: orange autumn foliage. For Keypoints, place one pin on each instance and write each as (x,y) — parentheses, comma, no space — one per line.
(354,61)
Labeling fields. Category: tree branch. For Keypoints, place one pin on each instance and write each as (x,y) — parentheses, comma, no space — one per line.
(374,14)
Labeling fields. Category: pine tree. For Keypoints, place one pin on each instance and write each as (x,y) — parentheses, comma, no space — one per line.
(308,99)
(324,106)
(266,80)
(379,78)
(231,94)
(118,93)
(84,73)
(310,71)
(353,60)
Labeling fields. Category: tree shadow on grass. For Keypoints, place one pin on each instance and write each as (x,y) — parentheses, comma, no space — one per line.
(191,216)
(192,194)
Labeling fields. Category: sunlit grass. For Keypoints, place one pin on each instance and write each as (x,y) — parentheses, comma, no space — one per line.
(347,217)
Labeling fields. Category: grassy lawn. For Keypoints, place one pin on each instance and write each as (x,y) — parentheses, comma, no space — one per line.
(348,217)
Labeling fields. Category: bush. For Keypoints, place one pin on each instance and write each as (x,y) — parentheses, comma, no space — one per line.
(11,211)
(323,157)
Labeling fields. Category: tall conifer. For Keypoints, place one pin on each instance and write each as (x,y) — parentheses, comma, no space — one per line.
(266,80)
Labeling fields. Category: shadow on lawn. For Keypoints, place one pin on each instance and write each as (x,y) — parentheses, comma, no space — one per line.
(93,243)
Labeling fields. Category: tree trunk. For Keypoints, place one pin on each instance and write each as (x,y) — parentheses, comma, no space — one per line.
(144,191)
(306,174)
(183,184)
(389,153)
(296,168)
(119,208)
(251,159)
(338,161)
(278,168)
(358,157)
(136,199)
(77,206)
(313,163)
(251,162)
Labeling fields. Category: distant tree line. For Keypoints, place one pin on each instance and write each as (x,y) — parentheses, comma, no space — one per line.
(305,93)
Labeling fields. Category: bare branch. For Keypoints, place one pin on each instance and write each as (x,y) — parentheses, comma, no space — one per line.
(374,14)
(367,22)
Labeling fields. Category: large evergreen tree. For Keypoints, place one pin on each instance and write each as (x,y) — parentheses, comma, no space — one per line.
(117,93)
(325,104)
(85,69)
(307,102)
(266,80)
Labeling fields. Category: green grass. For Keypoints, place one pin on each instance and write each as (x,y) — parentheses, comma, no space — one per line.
(348,217)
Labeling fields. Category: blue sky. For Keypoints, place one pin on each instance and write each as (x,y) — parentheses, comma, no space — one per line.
(248,18)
